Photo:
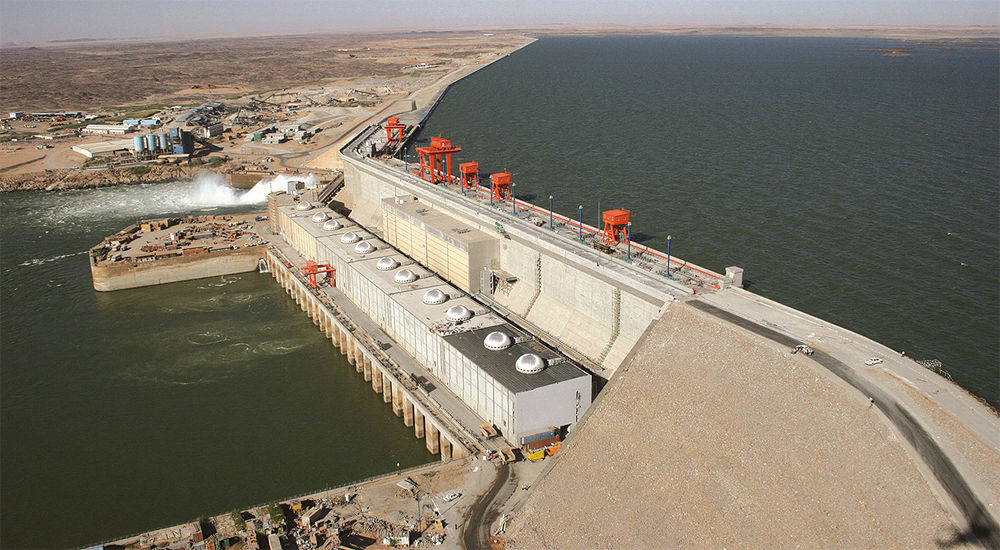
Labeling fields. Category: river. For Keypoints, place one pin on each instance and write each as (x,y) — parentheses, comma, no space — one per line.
(137,409)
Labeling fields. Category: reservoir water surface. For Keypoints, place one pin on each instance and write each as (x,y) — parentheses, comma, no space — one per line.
(856,186)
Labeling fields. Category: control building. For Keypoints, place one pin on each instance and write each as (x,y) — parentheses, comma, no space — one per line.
(504,374)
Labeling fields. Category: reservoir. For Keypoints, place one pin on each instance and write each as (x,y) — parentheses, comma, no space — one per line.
(137,409)
(853,185)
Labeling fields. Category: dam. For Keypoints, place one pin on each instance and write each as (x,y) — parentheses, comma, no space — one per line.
(475,314)
(464,305)
(604,302)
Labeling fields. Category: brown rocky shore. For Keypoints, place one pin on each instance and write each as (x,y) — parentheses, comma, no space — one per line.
(55,180)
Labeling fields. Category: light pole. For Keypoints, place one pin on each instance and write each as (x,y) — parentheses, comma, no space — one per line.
(668,257)
(406,165)
(550,212)
(580,225)
(628,237)
(491,190)
(513,197)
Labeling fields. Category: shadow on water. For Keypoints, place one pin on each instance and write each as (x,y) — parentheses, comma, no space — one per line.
(640,237)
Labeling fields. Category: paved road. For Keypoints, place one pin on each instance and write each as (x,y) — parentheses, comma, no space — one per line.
(982,525)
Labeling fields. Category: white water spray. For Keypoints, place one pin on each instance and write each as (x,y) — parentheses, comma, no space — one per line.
(264,187)
(204,192)
(213,190)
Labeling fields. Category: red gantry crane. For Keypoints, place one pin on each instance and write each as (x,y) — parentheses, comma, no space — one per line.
(470,174)
(312,270)
(615,225)
(436,157)
(394,130)
(500,182)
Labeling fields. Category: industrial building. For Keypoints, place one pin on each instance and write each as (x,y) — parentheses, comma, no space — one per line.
(454,249)
(506,376)
(181,141)
(142,121)
(258,135)
(91,150)
(201,113)
(175,141)
(110,129)
(212,130)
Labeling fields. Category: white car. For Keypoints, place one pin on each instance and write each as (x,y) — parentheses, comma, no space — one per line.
(873,361)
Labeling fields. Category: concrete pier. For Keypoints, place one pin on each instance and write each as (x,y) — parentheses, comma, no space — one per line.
(397,400)
(407,413)
(386,390)
(433,442)
(418,425)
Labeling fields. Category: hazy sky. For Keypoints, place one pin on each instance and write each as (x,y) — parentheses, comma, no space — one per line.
(44,20)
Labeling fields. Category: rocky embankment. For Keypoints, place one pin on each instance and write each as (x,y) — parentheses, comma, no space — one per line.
(54,180)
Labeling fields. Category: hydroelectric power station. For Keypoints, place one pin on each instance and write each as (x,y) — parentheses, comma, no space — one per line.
(490,324)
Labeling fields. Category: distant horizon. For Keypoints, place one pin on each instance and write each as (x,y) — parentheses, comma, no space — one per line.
(960,31)
(45,21)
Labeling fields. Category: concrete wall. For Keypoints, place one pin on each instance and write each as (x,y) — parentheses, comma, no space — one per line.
(363,193)
(454,250)
(122,275)
(558,412)
(301,240)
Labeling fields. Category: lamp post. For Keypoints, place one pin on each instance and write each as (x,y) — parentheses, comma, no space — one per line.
(491,190)
(580,225)
(550,212)
(628,237)
(406,165)
(513,197)
(668,257)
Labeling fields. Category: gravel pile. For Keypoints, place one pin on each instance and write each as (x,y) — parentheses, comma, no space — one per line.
(714,437)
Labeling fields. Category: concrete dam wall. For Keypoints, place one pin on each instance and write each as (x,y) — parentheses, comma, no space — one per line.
(571,295)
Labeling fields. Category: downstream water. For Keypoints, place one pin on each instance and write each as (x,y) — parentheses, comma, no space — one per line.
(858,187)
(137,409)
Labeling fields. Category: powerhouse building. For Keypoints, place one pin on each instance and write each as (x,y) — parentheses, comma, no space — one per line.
(504,374)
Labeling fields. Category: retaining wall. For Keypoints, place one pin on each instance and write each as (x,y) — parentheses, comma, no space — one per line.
(122,275)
